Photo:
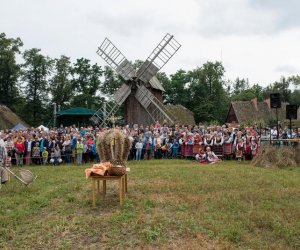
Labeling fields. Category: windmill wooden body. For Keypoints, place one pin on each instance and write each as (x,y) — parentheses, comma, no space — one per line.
(141,91)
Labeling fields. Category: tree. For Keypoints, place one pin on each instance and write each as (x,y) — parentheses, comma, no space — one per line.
(86,81)
(295,80)
(111,82)
(207,95)
(239,86)
(35,73)
(281,87)
(295,98)
(61,86)
(176,88)
(9,70)
(247,94)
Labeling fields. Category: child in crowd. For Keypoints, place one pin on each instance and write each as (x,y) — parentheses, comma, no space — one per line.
(211,156)
(239,153)
(148,148)
(36,154)
(175,148)
(79,151)
(45,156)
(56,156)
(208,157)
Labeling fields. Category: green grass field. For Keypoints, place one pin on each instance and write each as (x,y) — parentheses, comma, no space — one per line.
(171,204)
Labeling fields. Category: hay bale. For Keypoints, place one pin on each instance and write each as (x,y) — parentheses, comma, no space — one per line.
(270,156)
(297,154)
(266,157)
(286,157)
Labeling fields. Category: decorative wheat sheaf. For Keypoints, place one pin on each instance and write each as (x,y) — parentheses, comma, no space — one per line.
(113,146)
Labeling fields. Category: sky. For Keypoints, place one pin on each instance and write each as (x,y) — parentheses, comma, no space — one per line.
(255,39)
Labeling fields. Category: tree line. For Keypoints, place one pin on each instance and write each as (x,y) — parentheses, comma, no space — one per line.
(31,87)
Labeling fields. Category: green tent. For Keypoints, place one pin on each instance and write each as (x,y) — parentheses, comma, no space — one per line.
(79,116)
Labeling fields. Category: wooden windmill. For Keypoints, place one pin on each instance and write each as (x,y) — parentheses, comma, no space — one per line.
(141,90)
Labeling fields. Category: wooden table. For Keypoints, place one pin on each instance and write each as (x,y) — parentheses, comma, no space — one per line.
(122,180)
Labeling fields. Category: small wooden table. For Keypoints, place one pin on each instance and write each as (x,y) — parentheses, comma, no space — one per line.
(122,186)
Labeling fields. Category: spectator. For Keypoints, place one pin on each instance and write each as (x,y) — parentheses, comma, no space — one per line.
(148,148)
(139,148)
(36,158)
(56,156)
(19,151)
(79,150)
(45,156)
(67,149)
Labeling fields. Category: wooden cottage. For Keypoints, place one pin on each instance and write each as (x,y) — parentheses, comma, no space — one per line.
(261,113)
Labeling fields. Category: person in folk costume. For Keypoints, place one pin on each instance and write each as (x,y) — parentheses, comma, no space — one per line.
(189,143)
(247,145)
(158,144)
(237,137)
(218,144)
(239,152)
(197,143)
(181,142)
(211,156)
(201,157)
(232,132)
(253,147)
(227,144)
(208,141)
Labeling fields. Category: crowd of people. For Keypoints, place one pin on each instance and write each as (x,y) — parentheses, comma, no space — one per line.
(206,144)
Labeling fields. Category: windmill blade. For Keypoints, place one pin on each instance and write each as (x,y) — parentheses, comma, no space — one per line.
(152,105)
(104,113)
(114,58)
(158,58)
(122,93)
(109,110)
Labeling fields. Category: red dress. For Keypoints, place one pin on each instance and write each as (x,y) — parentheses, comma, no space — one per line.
(197,146)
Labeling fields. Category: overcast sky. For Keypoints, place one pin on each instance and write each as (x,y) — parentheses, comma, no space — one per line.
(255,39)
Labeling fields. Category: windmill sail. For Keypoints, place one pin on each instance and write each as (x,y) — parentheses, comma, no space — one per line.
(152,105)
(110,109)
(163,52)
(122,93)
(113,56)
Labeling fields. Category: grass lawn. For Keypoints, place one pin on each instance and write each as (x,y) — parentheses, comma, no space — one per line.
(171,204)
